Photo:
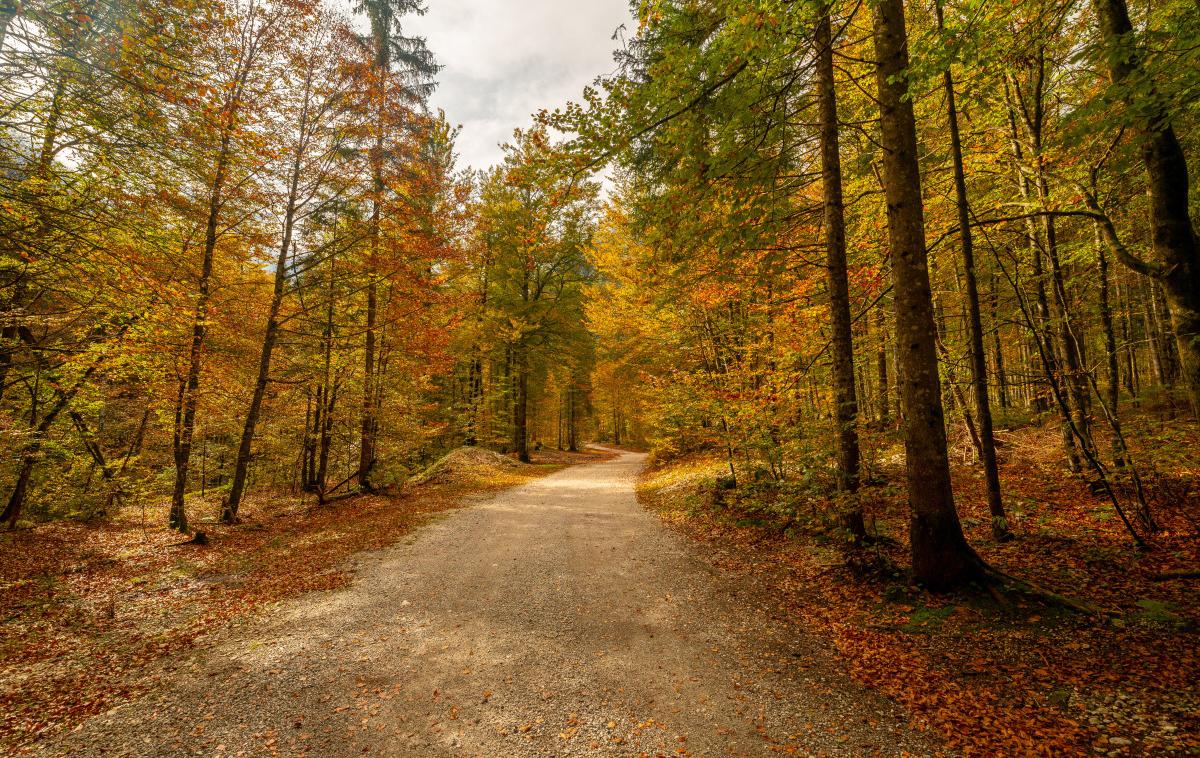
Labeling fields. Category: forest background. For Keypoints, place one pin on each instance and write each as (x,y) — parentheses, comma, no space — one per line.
(917,277)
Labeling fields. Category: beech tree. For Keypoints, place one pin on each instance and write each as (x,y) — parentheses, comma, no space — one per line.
(940,554)
(535,222)
(1168,183)
(391,49)
(310,178)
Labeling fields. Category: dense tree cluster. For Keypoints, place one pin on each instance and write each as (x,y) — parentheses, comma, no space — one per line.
(236,253)
(836,216)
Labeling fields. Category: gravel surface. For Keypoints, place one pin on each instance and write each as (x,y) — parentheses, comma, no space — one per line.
(555,619)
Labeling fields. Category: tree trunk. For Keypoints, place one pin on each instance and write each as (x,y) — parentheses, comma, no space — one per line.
(229,513)
(997,346)
(1131,377)
(521,405)
(185,411)
(1175,243)
(325,442)
(312,435)
(616,410)
(474,398)
(1113,386)
(842,339)
(572,441)
(979,379)
(941,556)
(881,369)
(366,450)
(1165,331)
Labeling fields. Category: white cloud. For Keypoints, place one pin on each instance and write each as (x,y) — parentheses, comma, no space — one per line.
(505,59)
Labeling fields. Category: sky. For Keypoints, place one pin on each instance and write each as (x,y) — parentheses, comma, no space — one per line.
(505,59)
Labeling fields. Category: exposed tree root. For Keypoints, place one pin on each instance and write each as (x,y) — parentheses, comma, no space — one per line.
(997,580)
(1166,576)
(200,538)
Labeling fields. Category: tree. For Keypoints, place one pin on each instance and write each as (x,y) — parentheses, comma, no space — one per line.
(390,47)
(940,554)
(313,121)
(223,129)
(979,376)
(1174,236)
(535,223)
(842,341)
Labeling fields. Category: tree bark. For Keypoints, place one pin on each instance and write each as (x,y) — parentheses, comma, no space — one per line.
(979,378)
(842,338)
(1175,242)
(366,450)
(521,405)
(185,411)
(997,346)
(1131,377)
(1113,387)
(941,557)
(572,440)
(881,369)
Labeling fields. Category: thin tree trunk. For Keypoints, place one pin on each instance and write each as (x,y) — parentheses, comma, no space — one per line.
(329,396)
(987,442)
(521,405)
(314,402)
(1131,378)
(1110,347)
(1172,368)
(842,340)
(185,415)
(997,346)
(881,369)
(366,450)
(572,440)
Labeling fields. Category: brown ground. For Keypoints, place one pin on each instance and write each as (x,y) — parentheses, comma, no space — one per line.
(1008,674)
(89,609)
(554,619)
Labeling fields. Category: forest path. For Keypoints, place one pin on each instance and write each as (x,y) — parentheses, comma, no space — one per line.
(555,619)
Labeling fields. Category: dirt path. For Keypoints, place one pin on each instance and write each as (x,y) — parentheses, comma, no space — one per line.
(555,619)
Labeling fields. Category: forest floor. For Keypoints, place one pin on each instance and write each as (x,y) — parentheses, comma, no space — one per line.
(88,611)
(993,675)
(558,618)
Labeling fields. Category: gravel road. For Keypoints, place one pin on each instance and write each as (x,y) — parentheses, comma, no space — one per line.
(554,619)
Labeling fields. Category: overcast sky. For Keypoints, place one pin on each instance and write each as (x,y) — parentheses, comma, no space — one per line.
(505,59)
